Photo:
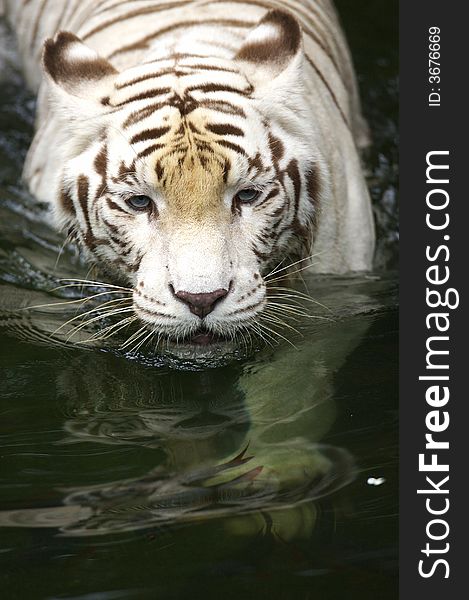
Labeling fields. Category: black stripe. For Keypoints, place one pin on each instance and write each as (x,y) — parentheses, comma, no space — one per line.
(113,206)
(219,87)
(66,201)
(199,67)
(149,134)
(83,187)
(232,146)
(145,96)
(224,129)
(150,150)
(222,106)
(142,113)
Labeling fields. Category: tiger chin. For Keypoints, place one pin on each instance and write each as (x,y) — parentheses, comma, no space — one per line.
(189,153)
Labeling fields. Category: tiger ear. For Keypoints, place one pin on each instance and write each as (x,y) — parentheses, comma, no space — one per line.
(75,71)
(274,47)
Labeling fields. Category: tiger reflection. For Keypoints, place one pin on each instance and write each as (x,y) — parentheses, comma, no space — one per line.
(241,441)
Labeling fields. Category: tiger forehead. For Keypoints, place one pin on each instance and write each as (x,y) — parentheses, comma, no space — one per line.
(192,187)
(190,169)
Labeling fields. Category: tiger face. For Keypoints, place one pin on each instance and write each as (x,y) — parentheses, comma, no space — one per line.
(189,177)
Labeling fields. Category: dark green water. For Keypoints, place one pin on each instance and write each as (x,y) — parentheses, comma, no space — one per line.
(271,476)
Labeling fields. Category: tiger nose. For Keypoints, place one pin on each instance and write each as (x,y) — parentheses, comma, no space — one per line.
(201,304)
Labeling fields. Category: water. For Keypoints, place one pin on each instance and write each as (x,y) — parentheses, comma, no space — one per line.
(270,474)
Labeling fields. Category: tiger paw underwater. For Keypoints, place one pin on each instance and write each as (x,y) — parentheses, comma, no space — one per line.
(189,149)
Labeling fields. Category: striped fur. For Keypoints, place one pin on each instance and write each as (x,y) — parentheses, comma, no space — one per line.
(188,102)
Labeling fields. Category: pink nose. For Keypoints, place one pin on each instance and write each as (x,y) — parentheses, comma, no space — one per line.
(201,304)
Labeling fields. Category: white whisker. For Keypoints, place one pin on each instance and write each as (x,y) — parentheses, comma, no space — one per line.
(97,283)
(274,332)
(65,302)
(110,330)
(277,270)
(275,320)
(287,275)
(133,337)
(300,295)
(116,301)
(110,313)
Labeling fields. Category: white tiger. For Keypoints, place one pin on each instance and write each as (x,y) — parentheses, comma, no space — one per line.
(190,145)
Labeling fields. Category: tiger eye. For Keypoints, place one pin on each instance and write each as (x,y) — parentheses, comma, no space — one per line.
(140,203)
(247,196)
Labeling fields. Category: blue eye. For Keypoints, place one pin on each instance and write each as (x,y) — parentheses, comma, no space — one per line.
(248,195)
(139,202)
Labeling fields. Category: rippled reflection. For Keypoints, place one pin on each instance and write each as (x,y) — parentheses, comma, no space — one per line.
(231,441)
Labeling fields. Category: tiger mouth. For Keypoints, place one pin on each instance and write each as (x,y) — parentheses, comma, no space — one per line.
(205,338)
(201,343)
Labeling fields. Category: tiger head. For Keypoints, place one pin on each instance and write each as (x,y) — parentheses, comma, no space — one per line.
(189,177)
